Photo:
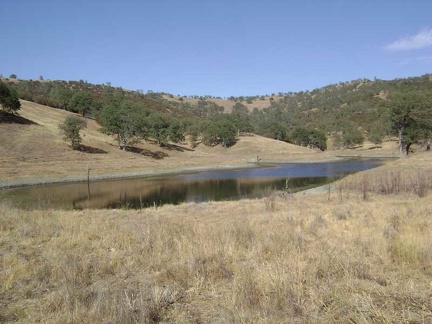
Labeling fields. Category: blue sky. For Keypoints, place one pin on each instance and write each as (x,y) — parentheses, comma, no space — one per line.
(221,48)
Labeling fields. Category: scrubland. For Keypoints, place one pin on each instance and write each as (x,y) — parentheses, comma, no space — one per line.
(357,253)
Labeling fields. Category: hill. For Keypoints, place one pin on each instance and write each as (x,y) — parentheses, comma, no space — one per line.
(359,104)
(33,150)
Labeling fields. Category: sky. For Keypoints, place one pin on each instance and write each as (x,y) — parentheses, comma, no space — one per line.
(220,48)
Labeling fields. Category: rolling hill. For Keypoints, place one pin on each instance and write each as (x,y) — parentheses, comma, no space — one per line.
(34,151)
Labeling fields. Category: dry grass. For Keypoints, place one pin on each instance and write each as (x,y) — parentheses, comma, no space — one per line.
(229,104)
(37,151)
(279,259)
(347,256)
(409,175)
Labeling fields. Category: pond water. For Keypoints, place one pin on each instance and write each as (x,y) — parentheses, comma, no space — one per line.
(192,187)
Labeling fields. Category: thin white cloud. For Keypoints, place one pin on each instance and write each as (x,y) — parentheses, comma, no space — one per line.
(420,40)
(420,59)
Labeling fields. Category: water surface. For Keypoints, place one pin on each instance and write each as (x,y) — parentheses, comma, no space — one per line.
(192,187)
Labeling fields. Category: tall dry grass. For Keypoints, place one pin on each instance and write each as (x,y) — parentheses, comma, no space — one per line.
(417,181)
(304,259)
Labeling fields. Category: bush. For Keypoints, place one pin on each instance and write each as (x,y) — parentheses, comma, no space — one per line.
(70,129)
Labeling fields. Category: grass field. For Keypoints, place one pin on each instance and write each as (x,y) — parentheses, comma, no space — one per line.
(360,252)
(334,257)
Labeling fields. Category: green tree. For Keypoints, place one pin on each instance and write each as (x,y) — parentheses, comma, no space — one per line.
(240,108)
(125,120)
(221,131)
(24,90)
(70,129)
(13,76)
(241,121)
(309,137)
(164,129)
(60,97)
(9,99)
(351,135)
(81,102)
(411,119)
(377,133)
(194,131)
(337,141)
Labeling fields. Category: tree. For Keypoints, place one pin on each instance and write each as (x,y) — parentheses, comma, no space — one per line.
(309,137)
(164,129)
(240,108)
(60,97)
(410,116)
(9,99)
(241,121)
(221,131)
(70,129)
(194,131)
(125,120)
(13,76)
(351,135)
(81,102)
(377,133)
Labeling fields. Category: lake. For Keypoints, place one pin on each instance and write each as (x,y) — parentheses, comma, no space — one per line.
(192,187)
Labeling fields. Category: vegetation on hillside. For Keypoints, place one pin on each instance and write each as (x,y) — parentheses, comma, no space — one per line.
(8,99)
(347,112)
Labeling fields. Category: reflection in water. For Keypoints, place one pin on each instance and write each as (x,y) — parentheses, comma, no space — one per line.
(175,192)
(195,187)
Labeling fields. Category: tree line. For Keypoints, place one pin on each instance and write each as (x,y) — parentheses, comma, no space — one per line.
(347,112)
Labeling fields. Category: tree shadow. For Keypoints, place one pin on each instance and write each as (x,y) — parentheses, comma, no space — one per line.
(169,147)
(173,147)
(92,150)
(8,118)
(157,155)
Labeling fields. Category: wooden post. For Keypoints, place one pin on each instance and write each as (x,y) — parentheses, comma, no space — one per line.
(88,182)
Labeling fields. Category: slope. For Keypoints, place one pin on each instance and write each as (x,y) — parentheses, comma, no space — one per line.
(34,152)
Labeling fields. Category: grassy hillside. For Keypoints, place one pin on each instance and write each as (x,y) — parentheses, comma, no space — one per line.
(227,104)
(33,148)
(362,101)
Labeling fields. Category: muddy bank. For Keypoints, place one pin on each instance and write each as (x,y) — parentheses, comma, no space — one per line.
(94,176)
(23,182)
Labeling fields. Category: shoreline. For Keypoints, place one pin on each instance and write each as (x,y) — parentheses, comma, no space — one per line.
(27,182)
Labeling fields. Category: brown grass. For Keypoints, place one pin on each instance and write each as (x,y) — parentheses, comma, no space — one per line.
(350,255)
(279,259)
(409,175)
(229,104)
(37,151)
